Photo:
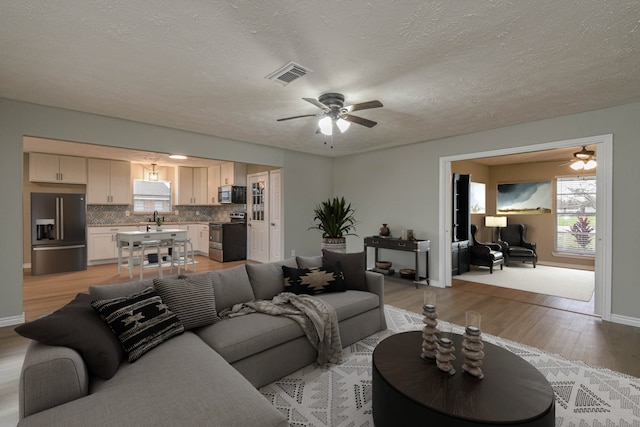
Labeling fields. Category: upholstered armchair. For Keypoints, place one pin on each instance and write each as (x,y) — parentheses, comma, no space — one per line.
(515,246)
(485,254)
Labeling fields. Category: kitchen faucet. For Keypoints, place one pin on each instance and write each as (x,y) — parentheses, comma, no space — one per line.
(155,216)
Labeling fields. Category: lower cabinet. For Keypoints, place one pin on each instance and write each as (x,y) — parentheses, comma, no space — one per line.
(102,245)
(460,257)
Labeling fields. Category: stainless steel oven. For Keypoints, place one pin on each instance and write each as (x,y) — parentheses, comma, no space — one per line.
(228,240)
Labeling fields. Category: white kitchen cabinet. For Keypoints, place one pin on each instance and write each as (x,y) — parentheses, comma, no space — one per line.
(232,173)
(191,186)
(203,246)
(109,182)
(213,184)
(102,245)
(193,233)
(58,169)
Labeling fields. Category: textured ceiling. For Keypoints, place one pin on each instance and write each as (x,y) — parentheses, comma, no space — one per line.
(440,68)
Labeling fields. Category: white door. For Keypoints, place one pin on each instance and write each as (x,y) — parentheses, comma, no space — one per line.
(258,221)
(275,216)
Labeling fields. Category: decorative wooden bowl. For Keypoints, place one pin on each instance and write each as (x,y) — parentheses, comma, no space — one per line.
(407,273)
(385,265)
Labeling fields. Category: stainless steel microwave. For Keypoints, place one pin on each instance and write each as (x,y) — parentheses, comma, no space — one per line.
(232,194)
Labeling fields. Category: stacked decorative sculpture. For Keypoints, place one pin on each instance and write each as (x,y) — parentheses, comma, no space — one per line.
(444,352)
(430,330)
(472,346)
(438,345)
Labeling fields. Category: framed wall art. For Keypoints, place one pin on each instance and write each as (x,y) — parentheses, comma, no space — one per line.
(477,198)
(524,198)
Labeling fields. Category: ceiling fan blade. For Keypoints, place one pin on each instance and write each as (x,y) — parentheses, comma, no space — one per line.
(359,120)
(297,117)
(317,103)
(363,106)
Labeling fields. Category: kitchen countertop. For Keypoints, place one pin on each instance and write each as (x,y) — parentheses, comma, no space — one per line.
(143,224)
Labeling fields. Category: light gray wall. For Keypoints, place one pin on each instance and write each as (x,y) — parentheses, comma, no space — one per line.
(399,186)
(306,178)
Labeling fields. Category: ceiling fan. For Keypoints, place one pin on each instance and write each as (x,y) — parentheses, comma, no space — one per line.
(334,112)
(583,159)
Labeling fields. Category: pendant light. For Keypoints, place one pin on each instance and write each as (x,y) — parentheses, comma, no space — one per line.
(153,175)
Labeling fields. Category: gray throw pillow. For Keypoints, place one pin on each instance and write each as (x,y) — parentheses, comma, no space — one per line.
(353,267)
(190,298)
(231,286)
(78,326)
(267,279)
(141,321)
(309,261)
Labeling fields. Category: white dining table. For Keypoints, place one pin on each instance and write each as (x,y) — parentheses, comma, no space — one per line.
(132,239)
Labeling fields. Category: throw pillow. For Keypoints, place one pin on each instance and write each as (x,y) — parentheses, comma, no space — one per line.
(78,326)
(141,321)
(353,267)
(190,298)
(312,281)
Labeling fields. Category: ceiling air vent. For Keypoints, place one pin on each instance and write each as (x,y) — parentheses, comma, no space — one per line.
(288,73)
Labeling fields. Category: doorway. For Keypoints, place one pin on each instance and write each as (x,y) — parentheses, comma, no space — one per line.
(604,143)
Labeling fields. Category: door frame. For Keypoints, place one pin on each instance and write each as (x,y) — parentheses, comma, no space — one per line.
(604,210)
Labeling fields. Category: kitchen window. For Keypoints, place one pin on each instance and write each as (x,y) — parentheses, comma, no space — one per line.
(576,215)
(150,196)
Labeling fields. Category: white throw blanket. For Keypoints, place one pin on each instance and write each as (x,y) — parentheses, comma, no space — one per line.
(317,319)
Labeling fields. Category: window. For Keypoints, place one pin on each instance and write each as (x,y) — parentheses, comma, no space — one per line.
(576,215)
(149,196)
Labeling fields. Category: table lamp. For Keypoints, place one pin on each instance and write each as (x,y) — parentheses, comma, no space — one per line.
(495,222)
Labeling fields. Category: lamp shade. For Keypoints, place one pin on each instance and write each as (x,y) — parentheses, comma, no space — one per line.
(326,125)
(495,221)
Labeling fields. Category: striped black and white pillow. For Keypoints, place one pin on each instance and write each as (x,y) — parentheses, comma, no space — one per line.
(141,321)
(191,298)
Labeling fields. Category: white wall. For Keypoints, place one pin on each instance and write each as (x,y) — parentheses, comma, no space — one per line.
(306,178)
(399,186)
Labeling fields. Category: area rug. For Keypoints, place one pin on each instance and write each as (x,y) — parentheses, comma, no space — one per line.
(560,282)
(340,395)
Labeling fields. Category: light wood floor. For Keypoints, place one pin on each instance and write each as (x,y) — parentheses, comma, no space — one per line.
(548,323)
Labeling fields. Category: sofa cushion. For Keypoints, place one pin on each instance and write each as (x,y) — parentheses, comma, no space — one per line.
(181,383)
(140,321)
(78,326)
(238,337)
(267,279)
(313,281)
(115,290)
(231,286)
(350,303)
(353,267)
(309,261)
(190,298)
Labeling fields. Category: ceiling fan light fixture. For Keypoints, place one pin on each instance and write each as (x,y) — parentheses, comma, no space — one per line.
(576,166)
(343,125)
(591,164)
(326,126)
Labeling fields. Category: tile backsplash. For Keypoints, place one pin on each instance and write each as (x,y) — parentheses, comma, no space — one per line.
(116,214)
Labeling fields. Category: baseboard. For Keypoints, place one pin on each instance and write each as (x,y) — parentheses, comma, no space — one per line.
(567,265)
(625,320)
(10,321)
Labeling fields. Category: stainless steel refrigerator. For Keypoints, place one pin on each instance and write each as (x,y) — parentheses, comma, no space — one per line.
(58,233)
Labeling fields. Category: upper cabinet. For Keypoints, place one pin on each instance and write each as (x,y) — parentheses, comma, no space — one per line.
(232,173)
(191,186)
(213,182)
(109,182)
(58,169)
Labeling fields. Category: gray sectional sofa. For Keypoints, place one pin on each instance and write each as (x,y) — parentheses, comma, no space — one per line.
(206,376)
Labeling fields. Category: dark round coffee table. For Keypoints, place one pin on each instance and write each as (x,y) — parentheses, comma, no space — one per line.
(409,391)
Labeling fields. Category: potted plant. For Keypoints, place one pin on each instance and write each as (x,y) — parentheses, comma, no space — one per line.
(159,223)
(334,218)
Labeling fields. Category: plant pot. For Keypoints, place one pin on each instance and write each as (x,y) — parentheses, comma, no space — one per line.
(335,244)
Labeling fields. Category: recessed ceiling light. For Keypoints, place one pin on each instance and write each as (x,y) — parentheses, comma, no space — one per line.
(177,157)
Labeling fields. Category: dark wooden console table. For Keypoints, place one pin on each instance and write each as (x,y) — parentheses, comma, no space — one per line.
(408,391)
(417,246)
